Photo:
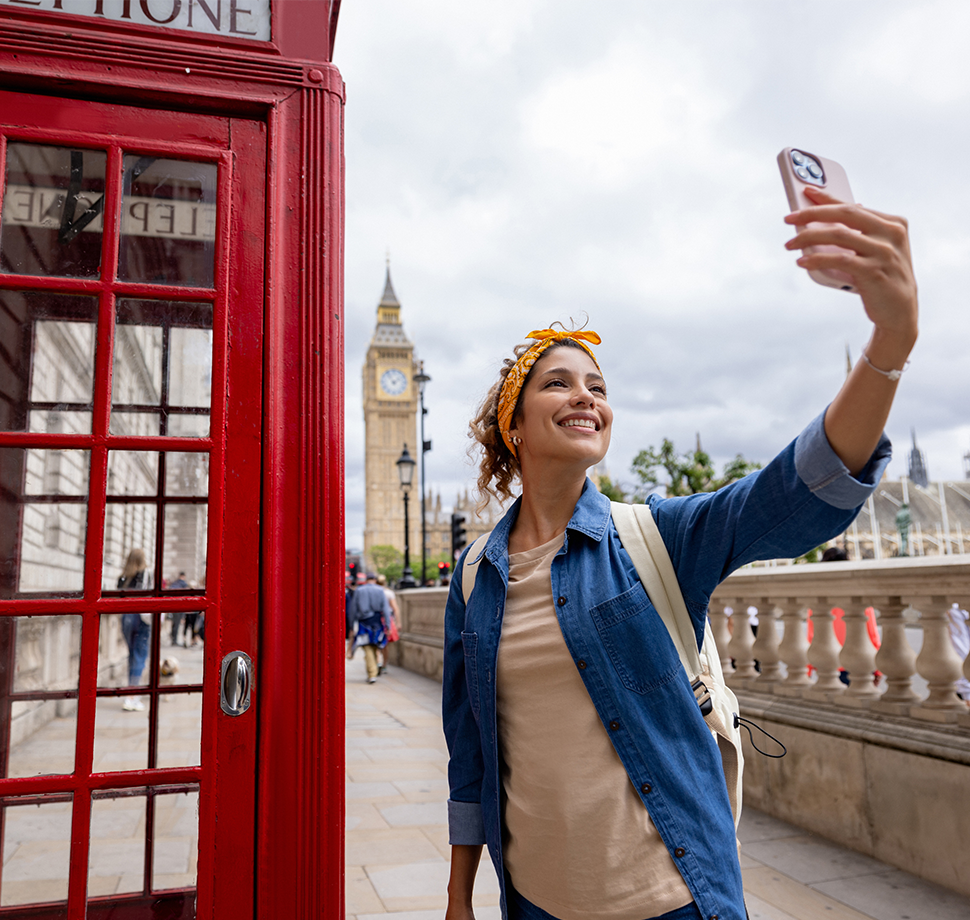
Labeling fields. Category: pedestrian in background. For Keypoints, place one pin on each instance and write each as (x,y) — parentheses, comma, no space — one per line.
(135,627)
(393,624)
(370,609)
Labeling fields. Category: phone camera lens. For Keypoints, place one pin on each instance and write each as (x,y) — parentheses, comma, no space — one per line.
(802,173)
(815,170)
(798,158)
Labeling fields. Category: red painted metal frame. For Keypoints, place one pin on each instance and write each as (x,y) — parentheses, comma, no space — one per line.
(292,98)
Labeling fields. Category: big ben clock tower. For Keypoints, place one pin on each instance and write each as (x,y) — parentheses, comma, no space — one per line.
(390,422)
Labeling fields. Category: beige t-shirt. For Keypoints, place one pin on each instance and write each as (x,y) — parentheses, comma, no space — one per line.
(579,843)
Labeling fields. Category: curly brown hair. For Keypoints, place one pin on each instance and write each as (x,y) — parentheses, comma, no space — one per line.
(498,466)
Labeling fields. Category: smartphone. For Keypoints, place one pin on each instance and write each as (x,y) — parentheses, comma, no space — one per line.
(800,169)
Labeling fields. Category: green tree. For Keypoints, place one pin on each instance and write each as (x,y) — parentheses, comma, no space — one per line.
(688,473)
(612,490)
(388,561)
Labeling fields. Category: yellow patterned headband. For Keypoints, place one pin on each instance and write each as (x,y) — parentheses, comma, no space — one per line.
(512,385)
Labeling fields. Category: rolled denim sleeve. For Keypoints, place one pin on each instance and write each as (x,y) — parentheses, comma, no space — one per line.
(465,824)
(828,478)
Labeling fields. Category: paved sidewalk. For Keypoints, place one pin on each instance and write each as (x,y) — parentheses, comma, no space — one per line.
(397,839)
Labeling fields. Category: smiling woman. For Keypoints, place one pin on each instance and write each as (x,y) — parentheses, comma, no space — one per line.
(579,753)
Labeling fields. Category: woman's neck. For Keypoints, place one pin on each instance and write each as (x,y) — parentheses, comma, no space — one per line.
(546,508)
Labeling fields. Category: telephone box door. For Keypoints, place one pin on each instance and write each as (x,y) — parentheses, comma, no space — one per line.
(131,297)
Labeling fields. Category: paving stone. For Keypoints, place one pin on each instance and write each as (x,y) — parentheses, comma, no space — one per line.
(416,814)
(389,846)
(809,859)
(372,791)
(896,895)
(803,903)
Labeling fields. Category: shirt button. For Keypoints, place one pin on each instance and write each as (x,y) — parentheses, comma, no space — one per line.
(679,852)
(581,665)
(645,788)
(614,725)
(561,601)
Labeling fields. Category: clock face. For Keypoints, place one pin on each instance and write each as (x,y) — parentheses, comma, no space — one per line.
(393,382)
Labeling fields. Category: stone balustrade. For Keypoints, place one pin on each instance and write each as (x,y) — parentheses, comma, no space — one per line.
(915,591)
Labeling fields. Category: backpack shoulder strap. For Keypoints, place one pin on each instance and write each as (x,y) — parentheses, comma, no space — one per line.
(641,539)
(469,570)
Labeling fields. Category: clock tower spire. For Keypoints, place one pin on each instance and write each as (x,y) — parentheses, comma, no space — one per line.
(390,422)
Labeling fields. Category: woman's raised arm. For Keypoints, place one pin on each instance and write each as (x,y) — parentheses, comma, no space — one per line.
(879,261)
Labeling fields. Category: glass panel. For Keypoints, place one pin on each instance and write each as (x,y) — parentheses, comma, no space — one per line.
(52,205)
(116,862)
(190,367)
(112,652)
(186,474)
(47,370)
(181,631)
(57,472)
(132,472)
(129,547)
(46,652)
(36,849)
(121,733)
(176,841)
(168,221)
(188,426)
(136,424)
(180,729)
(137,376)
(185,541)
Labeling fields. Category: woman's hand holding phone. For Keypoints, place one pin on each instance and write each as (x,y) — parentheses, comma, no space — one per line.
(874,252)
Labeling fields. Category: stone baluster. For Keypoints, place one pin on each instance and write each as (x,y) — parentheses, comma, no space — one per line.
(896,659)
(938,663)
(823,653)
(719,618)
(858,655)
(741,646)
(794,649)
(765,647)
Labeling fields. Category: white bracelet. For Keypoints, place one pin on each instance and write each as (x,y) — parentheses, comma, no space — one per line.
(893,375)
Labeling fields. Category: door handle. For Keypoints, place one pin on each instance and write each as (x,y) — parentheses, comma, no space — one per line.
(235,683)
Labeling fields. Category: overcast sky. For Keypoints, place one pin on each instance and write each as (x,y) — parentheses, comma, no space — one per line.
(525,161)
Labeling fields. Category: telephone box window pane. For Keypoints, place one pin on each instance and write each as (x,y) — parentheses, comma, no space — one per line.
(180,654)
(121,732)
(116,860)
(186,537)
(186,474)
(136,424)
(132,472)
(168,221)
(188,426)
(176,855)
(52,211)
(41,729)
(42,535)
(180,730)
(129,547)
(113,652)
(36,848)
(190,367)
(47,370)
(137,376)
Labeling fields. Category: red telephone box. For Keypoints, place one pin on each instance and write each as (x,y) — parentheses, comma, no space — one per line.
(171,459)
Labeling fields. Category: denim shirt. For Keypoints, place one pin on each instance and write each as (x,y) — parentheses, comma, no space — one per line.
(626,658)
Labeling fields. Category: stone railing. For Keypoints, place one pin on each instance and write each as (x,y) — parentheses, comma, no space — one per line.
(882,767)
(904,592)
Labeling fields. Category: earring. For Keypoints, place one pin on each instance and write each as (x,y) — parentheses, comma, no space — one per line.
(516,440)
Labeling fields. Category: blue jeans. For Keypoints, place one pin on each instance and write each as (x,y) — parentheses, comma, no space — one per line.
(521,909)
(136,632)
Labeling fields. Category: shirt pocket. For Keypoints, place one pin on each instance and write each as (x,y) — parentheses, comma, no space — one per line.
(636,640)
(469,643)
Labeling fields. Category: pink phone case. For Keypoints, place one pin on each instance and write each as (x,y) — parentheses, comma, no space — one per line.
(836,183)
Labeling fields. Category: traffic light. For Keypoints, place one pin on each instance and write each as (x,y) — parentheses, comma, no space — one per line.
(443,569)
(352,573)
(458,539)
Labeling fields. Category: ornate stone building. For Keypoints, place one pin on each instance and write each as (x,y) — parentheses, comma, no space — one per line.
(390,422)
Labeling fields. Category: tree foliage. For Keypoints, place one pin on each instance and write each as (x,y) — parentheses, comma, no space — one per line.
(388,561)
(612,490)
(687,473)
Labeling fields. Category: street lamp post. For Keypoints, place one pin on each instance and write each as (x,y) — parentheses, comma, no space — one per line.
(421,379)
(405,473)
